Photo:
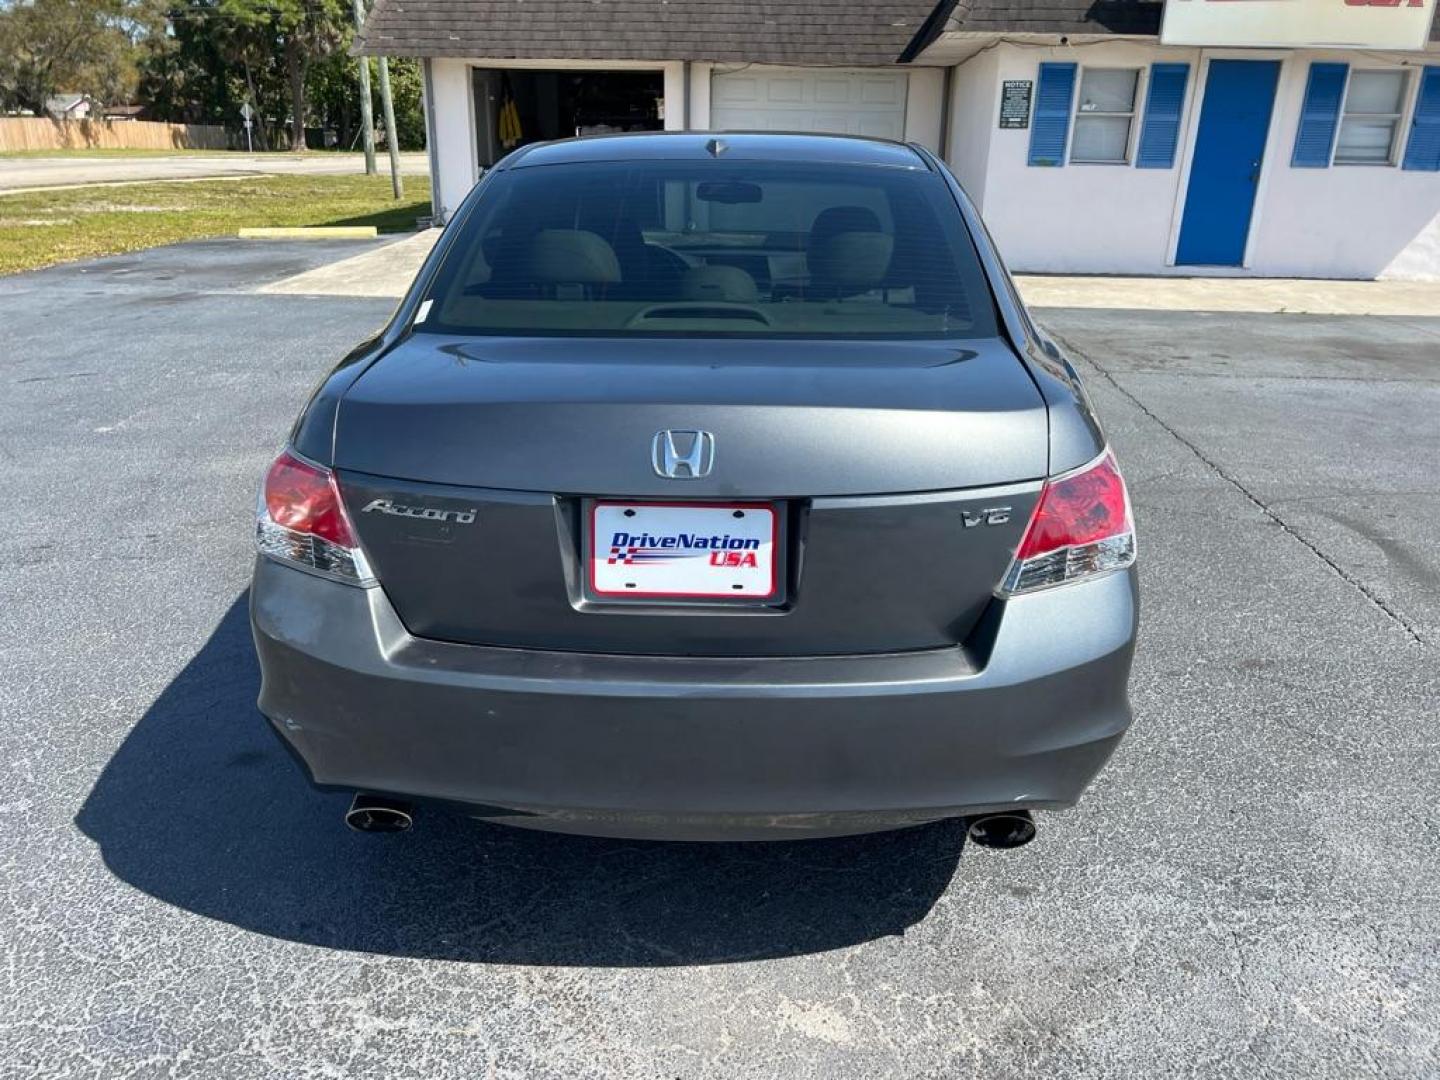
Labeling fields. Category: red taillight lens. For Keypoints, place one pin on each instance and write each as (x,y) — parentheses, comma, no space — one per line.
(1081,526)
(304,497)
(301,520)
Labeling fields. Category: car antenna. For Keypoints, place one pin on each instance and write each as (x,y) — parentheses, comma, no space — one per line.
(716,147)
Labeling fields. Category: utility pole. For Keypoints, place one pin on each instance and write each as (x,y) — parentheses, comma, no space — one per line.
(392,144)
(367,117)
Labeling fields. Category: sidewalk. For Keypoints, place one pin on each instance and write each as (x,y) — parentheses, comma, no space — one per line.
(1291,296)
(387,271)
(383,271)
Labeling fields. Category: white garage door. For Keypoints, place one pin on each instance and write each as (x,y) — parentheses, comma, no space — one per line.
(809,99)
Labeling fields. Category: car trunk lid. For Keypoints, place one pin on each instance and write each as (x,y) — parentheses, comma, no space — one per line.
(901,475)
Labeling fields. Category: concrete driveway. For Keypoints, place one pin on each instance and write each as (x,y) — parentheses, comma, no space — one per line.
(75,170)
(1252,889)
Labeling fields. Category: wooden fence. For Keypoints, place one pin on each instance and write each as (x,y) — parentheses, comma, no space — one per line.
(41,133)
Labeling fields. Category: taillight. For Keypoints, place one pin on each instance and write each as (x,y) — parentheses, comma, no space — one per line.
(1081,526)
(301,520)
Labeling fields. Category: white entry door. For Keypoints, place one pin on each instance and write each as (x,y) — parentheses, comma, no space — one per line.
(809,99)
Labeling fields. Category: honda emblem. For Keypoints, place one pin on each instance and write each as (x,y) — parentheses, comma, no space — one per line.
(683,455)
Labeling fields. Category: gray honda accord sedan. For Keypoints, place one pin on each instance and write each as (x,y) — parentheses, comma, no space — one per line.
(702,487)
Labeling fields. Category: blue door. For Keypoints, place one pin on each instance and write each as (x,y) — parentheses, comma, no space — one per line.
(1225,167)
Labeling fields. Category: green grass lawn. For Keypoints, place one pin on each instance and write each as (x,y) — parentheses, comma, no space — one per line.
(45,227)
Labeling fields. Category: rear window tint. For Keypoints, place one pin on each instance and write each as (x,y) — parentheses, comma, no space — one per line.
(713,248)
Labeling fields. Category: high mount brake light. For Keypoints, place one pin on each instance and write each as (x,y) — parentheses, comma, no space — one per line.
(301,520)
(1081,527)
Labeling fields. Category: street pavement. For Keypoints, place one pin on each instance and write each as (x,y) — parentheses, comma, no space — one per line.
(1251,889)
(78,169)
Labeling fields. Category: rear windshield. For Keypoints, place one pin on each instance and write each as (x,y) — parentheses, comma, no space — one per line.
(733,249)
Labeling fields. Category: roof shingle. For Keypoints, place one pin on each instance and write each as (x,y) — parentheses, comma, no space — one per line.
(733,31)
(1141,17)
(1059,16)
(767,32)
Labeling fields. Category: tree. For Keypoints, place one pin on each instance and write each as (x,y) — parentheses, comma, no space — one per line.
(406,84)
(211,56)
(333,94)
(49,47)
(187,68)
(203,63)
(245,36)
(334,91)
(298,31)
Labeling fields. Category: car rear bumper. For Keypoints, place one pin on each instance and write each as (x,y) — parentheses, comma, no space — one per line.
(699,748)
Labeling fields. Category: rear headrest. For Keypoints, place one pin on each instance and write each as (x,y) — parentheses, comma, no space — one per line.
(727,283)
(623,234)
(841,219)
(851,262)
(571,257)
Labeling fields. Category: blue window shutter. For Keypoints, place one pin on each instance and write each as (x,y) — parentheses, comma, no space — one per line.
(1319,116)
(1160,132)
(1051,126)
(1423,150)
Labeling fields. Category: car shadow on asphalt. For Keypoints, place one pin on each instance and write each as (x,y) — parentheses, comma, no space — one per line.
(203,808)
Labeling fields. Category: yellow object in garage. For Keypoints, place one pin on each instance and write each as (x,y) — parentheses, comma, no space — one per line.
(510,130)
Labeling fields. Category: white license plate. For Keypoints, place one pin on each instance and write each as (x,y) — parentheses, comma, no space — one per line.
(683,550)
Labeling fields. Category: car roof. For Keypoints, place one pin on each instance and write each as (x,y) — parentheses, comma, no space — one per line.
(723,145)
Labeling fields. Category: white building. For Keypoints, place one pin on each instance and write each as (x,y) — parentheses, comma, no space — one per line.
(1250,137)
(69,106)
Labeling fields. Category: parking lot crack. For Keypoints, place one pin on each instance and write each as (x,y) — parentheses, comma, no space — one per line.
(1424,328)
(1386,608)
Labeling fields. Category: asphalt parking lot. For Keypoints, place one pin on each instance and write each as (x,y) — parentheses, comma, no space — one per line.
(1251,889)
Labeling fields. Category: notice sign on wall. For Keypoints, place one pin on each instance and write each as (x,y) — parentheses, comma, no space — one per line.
(1015,103)
(1360,24)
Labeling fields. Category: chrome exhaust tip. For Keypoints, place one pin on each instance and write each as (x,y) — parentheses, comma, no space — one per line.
(1011,829)
(377,814)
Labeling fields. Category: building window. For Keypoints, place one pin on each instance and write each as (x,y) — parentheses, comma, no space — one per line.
(1374,105)
(1104,114)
